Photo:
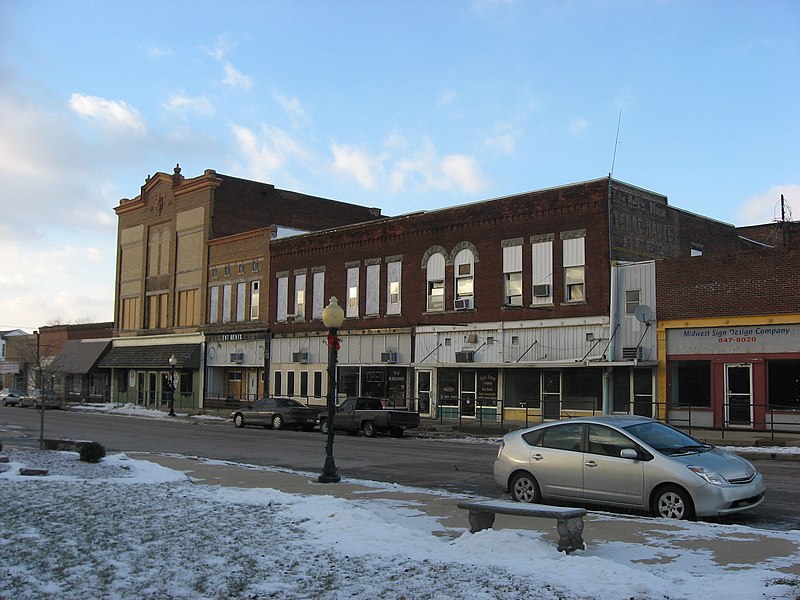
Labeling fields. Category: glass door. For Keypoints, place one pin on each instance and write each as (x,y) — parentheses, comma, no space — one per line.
(551,395)
(739,394)
(424,392)
(467,393)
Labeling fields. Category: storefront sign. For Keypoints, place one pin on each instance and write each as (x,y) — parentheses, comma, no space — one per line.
(748,339)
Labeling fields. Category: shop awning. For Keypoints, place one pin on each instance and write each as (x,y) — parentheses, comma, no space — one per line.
(80,356)
(152,357)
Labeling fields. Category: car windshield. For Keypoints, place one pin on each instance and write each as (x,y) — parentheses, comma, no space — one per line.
(666,439)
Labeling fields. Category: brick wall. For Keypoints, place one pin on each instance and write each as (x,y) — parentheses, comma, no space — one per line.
(753,282)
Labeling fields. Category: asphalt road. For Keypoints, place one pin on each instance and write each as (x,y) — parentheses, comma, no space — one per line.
(428,461)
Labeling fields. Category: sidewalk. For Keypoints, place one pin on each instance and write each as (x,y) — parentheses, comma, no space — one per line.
(728,546)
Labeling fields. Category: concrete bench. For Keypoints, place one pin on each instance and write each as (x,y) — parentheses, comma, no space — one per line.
(569,520)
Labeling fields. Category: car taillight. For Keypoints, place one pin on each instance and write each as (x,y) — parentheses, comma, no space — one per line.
(500,449)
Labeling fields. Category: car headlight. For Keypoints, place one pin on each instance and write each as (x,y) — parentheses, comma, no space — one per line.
(709,476)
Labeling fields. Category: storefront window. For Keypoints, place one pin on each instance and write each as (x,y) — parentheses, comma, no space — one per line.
(521,388)
(448,387)
(347,382)
(691,383)
(582,389)
(487,387)
(784,384)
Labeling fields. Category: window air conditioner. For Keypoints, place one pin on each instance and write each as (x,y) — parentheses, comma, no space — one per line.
(389,357)
(541,290)
(466,356)
(237,357)
(463,304)
(632,353)
(300,357)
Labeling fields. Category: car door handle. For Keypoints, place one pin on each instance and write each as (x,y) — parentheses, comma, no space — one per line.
(591,464)
(537,456)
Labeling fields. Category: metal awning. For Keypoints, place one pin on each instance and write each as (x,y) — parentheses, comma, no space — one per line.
(152,357)
(80,356)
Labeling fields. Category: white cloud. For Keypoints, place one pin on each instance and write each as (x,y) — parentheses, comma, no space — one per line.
(292,107)
(766,207)
(267,154)
(357,163)
(577,126)
(199,104)
(159,51)
(235,78)
(221,47)
(114,114)
(446,97)
(426,170)
(503,143)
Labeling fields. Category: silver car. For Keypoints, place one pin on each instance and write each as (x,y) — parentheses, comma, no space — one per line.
(626,461)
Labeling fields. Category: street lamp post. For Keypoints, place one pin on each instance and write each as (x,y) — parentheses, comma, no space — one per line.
(172,362)
(332,317)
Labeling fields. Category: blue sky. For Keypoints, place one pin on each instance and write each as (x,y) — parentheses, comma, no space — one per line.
(401,105)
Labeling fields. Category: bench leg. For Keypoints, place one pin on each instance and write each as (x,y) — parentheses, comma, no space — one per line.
(570,534)
(480,520)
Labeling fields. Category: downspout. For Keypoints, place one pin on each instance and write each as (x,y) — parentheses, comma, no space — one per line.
(611,351)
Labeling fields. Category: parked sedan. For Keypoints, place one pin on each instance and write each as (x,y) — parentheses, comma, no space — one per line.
(11,396)
(37,397)
(276,413)
(626,461)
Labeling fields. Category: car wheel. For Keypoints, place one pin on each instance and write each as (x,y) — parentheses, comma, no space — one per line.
(277,422)
(238,420)
(524,488)
(672,502)
(368,427)
(323,426)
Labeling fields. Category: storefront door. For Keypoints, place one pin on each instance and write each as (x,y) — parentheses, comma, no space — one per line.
(739,394)
(551,395)
(424,392)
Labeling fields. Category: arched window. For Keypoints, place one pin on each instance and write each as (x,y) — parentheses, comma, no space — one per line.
(464,274)
(435,279)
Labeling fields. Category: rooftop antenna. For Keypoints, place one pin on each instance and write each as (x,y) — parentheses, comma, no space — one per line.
(616,143)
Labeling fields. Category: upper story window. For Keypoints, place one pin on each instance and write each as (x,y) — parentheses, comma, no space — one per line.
(574,261)
(542,269)
(255,299)
(393,272)
(435,282)
(512,275)
(300,296)
(318,291)
(213,304)
(282,302)
(633,298)
(373,289)
(696,250)
(352,292)
(464,273)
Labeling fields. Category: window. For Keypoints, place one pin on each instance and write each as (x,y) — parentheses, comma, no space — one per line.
(282,304)
(213,305)
(317,384)
(188,313)
(582,389)
(129,317)
(352,292)
(783,377)
(277,384)
(691,383)
(633,298)
(318,280)
(241,269)
(512,275)
(574,261)
(542,269)
(563,437)
(607,442)
(255,266)
(226,303)
(156,311)
(373,286)
(696,250)
(290,383)
(435,285)
(521,388)
(304,384)
(300,296)
(464,274)
(393,273)
(241,301)
(255,298)
(214,273)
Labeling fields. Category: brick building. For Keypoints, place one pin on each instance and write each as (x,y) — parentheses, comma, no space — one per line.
(729,334)
(529,306)
(188,248)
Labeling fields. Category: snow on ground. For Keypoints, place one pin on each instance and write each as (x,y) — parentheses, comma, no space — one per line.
(128,528)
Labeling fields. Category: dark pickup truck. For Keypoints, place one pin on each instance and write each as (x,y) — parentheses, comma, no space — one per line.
(369,415)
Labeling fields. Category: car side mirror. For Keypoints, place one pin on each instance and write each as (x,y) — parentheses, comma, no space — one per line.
(629,453)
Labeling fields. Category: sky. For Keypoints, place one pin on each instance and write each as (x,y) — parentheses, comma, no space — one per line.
(404,106)
(129,527)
